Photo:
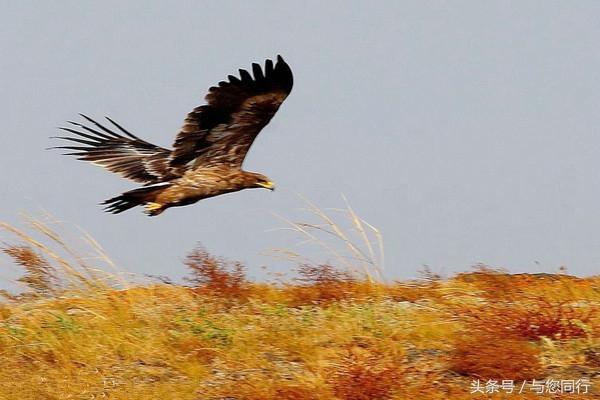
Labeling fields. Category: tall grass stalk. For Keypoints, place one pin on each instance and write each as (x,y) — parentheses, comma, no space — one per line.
(359,248)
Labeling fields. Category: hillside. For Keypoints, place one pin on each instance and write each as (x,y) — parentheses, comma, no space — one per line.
(325,335)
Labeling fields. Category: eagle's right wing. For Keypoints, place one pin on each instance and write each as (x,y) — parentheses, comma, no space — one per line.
(128,156)
(222,131)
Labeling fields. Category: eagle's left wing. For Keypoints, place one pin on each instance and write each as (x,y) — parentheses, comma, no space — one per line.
(122,153)
(222,131)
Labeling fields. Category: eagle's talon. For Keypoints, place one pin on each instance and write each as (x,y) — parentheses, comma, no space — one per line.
(153,208)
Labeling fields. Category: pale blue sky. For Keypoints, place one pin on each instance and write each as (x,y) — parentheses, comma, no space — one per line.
(467,131)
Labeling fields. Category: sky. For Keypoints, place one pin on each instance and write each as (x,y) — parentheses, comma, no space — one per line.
(467,132)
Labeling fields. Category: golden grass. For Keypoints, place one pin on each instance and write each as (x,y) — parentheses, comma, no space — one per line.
(79,333)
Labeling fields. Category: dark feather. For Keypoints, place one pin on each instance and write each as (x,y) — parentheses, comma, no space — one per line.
(131,135)
(257,71)
(246,78)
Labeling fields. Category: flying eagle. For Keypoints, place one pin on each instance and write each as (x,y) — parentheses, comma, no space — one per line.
(207,156)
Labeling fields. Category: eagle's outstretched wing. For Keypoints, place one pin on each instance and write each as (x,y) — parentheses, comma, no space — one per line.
(222,131)
(125,154)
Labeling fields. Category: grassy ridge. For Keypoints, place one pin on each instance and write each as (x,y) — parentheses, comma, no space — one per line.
(325,336)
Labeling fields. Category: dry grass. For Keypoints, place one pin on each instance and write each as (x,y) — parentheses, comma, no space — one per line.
(76,332)
(354,243)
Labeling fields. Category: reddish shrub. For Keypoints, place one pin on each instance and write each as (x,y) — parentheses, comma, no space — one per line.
(322,284)
(487,356)
(363,376)
(216,276)
(532,319)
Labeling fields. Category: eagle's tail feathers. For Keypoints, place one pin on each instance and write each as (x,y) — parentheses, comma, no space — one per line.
(136,197)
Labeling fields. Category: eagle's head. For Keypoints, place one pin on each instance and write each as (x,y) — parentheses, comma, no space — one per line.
(255,180)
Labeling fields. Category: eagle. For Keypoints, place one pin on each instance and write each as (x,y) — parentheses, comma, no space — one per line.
(208,152)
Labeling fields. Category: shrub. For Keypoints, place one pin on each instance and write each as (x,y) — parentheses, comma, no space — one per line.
(488,356)
(216,276)
(319,284)
(363,375)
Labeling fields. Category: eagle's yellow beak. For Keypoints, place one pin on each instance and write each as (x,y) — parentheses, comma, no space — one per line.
(267,185)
